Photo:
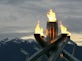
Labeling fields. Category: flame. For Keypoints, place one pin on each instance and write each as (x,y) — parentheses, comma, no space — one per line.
(39,29)
(64,30)
(51,16)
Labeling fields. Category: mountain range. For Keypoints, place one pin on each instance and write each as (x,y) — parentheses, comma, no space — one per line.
(20,50)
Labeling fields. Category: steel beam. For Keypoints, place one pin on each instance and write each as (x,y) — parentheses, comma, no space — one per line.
(48,48)
(69,56)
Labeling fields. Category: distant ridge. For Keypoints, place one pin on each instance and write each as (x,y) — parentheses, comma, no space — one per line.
(20,50)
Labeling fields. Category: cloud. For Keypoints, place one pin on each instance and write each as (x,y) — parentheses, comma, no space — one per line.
(19,14)
(77,38)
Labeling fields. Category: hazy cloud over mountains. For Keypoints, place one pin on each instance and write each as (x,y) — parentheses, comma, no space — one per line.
(22,15)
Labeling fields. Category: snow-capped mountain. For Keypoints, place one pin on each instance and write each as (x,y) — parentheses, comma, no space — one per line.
(20,50)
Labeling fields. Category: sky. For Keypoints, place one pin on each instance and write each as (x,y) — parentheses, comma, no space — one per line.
(21,16)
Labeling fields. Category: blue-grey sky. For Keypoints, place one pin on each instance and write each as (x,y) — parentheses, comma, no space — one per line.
(22,15)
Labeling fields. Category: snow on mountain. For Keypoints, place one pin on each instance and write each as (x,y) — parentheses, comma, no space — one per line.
(20,50)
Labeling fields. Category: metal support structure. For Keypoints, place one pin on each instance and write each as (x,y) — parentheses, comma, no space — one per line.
(40,40)
(43,51)
(69,56)
(57,48)
(57,53)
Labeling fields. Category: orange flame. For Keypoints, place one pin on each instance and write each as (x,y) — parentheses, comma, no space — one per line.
(51,16)
(64,30)
(39,29)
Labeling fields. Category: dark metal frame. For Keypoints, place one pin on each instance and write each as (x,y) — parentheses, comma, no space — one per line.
(56,48)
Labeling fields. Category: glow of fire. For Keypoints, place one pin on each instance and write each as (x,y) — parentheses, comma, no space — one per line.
(39,29)
(64,30)
(51,16)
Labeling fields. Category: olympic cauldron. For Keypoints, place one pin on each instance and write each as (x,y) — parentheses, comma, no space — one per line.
(53,43)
